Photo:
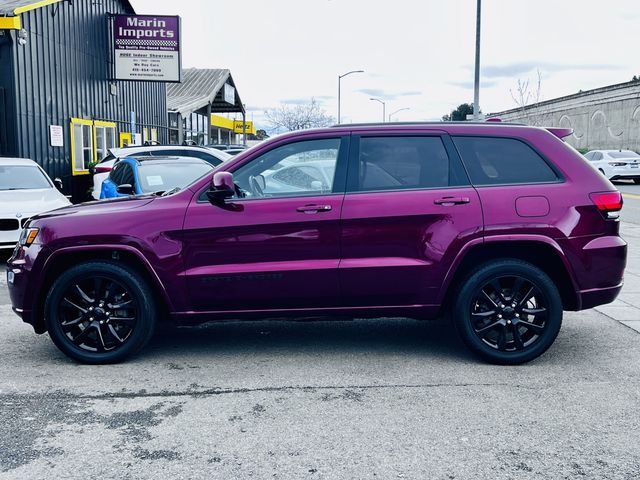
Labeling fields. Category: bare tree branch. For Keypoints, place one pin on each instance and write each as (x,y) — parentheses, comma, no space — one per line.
(298,117)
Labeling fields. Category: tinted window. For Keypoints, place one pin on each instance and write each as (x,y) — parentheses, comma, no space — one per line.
(127,175)
(396,163)
(624,154)
(589,156)
(495,161)
(296,169)
(597,156)
(116,174)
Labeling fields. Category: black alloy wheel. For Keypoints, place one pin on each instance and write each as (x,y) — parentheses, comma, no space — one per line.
(508,312)
(100,312)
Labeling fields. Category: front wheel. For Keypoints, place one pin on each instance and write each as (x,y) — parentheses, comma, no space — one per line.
(508,312)
(100,312)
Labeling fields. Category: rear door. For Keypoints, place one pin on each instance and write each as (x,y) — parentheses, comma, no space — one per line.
(408,210)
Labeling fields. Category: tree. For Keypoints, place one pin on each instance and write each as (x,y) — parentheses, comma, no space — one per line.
(460,113)
(525,96)
(299,117)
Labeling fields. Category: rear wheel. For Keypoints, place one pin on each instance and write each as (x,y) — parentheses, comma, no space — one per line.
(100,312)
(508,312)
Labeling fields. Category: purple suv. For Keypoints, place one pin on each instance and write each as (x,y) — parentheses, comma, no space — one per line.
(503,226)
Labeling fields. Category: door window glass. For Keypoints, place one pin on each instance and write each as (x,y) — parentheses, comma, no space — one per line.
(500,161)
(296,169)
(398,163)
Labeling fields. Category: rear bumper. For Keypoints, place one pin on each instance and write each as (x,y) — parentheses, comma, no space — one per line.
(598,268)
(598,296)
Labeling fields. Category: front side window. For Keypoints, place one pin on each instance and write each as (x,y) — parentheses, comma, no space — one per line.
(296,169)
(500,161)
(401,163)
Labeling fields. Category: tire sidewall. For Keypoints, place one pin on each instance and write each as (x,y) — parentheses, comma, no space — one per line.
(462,311)
(142,331)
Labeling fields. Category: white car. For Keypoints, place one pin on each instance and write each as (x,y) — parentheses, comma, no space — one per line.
(616,164)
(25,190)
(103,168)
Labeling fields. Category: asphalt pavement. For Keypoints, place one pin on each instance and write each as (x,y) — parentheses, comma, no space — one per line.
(366,399)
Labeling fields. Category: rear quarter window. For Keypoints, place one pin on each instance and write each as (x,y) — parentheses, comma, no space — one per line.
(499,161)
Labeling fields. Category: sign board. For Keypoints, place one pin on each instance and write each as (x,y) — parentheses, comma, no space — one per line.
(229,94)
(147,47)
(56,136)
(237,127)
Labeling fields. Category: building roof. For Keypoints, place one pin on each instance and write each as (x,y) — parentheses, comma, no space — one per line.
(199,88)
(10,8)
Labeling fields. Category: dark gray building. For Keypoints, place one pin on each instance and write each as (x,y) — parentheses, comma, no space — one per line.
(58,103)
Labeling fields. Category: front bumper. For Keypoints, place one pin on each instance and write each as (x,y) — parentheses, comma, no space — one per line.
(21,278)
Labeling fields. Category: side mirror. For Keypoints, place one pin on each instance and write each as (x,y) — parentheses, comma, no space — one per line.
(125,189)
(58,183)
(222,187)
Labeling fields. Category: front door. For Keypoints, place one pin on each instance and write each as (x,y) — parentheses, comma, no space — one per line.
(408,210)
(275,245)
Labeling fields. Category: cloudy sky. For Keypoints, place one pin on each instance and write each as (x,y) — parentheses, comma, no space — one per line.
(417,54)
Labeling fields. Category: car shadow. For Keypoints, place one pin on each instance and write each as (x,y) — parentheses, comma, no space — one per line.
(436,339)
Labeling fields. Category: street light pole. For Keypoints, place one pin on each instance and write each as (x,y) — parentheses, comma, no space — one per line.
(384,107)
(340,78)
(476,81)
(399,110)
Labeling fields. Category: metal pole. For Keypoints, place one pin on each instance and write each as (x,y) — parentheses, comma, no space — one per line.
(397,111)
(476,82)
(340,78)
(384,107)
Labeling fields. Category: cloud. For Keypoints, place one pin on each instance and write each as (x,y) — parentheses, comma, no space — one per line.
(515,69)
(306,100)
(378,92)
(468,85)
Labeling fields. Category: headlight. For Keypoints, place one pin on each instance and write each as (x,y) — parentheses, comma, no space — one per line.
(28,236)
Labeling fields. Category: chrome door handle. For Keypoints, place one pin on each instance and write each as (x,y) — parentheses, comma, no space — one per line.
(314,208)
(452,201)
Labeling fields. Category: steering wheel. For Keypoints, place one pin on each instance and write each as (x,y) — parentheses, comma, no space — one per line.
(255,187)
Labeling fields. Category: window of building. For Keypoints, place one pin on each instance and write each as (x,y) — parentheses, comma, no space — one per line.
(90,142)
(500,161)
(105,133)
(82,150)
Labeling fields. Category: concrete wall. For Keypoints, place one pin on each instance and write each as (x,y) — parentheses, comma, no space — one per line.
(604,118)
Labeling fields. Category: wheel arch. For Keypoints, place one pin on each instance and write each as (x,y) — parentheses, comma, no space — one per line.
(64,258)
(540,251)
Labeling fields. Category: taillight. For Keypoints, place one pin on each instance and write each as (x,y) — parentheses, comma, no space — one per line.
(99,169)
(609,203)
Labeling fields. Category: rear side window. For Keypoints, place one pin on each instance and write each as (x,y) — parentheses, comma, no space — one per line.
(398,163)
(498,161)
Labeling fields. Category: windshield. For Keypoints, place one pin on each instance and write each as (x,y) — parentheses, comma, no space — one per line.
(22,177)
(624,154)
(160,177)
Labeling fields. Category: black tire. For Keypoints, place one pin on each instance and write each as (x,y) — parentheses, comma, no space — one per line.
(636,181)
(104,331)
(508,312)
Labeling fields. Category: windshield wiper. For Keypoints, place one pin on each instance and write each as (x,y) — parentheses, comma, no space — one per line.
(168,192)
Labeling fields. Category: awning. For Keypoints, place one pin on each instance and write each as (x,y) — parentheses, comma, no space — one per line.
(203,87)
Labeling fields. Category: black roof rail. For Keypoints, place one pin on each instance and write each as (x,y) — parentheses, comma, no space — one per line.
(400,124)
